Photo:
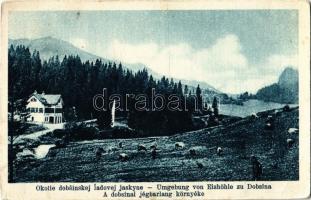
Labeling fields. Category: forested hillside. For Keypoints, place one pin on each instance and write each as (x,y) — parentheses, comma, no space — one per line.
(79,81)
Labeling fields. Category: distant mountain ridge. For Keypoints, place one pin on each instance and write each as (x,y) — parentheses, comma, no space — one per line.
(49,46)
(284,91)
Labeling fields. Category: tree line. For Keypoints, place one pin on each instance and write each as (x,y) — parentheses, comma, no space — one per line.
(79,81)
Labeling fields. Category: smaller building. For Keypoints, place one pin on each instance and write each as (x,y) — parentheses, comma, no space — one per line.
(45,108)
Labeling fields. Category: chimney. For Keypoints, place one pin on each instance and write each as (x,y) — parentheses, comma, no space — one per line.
(43,93)
(35,92)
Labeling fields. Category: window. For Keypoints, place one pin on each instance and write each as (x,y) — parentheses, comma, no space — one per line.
(32,110)
(58,110)
(36,110)
(40,110)
(33,100)
(49,110)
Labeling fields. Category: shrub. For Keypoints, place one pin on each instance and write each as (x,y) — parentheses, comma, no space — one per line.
(118,133)
(286,108)
(84,133)
(59,133)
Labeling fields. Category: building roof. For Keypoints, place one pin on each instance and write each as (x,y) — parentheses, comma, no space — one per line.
(47,99)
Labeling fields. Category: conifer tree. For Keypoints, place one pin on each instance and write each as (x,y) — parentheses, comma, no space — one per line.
(186,90)
(215,107)
(179,89)
(199,97)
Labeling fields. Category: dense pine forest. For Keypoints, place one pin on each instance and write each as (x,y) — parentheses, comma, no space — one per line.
(79,81)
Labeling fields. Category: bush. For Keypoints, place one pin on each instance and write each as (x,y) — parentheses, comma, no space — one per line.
(34,128)
(30,143)
(84,133)
(286,108)
(118,133)
(76,132)
(59,133)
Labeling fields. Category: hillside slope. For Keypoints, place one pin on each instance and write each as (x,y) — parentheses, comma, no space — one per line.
(238,140)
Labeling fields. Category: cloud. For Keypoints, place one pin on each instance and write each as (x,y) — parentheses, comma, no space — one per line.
(222,64)
(276,63)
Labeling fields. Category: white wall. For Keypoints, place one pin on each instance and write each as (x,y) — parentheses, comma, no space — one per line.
(37,117)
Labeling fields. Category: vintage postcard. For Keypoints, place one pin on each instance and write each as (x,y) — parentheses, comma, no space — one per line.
(155,100)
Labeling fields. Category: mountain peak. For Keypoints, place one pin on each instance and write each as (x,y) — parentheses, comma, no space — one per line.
(288,77)
(285,91)
(289,70)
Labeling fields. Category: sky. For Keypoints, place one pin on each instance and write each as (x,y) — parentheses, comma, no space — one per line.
(233,50)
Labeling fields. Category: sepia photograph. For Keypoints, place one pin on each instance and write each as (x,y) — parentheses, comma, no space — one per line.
(154,95)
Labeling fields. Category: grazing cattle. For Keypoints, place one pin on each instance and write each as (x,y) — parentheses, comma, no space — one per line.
(286,108)
(192,152)
(99,152)
(123,157)
(200,165)
(269,126)
(180,145)
(219,151)
(112,149)
(290,142)
(153,153)
(293,130)
(141,147)
(256,168)
(254,116)
(154,145)
(277,112)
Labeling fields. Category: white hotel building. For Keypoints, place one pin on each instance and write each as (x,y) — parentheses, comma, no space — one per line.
(45,108)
